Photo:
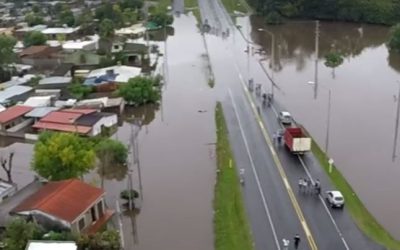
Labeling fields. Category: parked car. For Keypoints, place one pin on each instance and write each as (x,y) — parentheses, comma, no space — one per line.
(335,199)
(285,117)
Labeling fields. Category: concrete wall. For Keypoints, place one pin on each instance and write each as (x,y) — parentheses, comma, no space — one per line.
(107,121)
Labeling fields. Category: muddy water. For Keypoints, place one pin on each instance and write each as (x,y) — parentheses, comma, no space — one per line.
(176,154)
(363,102)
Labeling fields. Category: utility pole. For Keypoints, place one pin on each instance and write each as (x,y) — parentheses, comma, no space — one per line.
(328,122)
(135,153)
(273,63)
(317,34)
(396,131)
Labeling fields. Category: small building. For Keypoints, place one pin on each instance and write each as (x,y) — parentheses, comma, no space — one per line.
(51,245)
(16,80)
(20,33)
(91,44)
(40,112)
(6,190)
(97,121)
(54,82)
(134,31)
(38,101)
(69,33)
(13,116)
(41,57)
(114,74)
(14,94)
(70,205)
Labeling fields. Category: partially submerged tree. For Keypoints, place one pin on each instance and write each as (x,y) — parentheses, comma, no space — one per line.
(140,90)
(112,155)
(333,60)
(78,90)
(106,240)
(59,156)
(161,19)
(394,39)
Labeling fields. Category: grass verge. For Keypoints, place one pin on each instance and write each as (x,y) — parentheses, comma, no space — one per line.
(363,218)
(236,5)
(193,5)
(231,228)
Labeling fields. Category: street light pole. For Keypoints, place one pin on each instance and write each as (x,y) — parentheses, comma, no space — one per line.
(316,58)
(272,57)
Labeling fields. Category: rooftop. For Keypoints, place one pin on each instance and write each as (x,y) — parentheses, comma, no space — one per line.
(91,119)
(51,245)
(119,74)
(13,91)
(40,112)
(66,200)
(5,188)
(13,112)
(33,50)
(55,80)
(60,117)
(71,128)
(38,101)
(60,30)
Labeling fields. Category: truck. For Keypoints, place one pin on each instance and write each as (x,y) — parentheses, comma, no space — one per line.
(296,140)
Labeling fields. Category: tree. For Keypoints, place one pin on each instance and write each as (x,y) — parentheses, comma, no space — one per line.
(7,167)
(34,38)
(106,29)
(7,44)
(394,40)
(131,4)
(19,232)
(66,17)
(59,156)
(129,16)
(112,155)
(85,21)
(333,60)
(106,240)
(34,19)
(140,90)
(78,90)
(161,19)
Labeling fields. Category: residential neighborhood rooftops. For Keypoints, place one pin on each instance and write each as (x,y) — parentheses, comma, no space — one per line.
(65,200)
(13,112)
(39,27)
(80,111)
(38,101)
(33,50)
(91,119)
(51,245)
(73,128)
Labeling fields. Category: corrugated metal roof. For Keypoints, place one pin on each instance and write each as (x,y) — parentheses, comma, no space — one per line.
(13,112)
(13,91)
(55,80)
(40,112)
(51,245)
(62,127)
(38,101)
(61,117)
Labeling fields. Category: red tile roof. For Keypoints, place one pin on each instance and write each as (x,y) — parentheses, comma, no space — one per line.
(13,112)
(66,200)
(61,117)
(80,111)
(62,127)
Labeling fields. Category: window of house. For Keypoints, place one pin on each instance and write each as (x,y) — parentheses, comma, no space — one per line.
(81,223)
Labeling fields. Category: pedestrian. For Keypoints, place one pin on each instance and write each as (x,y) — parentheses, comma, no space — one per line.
(279,137)
(296,241)
(285,244)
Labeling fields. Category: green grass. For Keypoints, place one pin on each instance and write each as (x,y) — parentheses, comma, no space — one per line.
(193,5)
(231,227)
(211,83)
(363,218)
(236,5)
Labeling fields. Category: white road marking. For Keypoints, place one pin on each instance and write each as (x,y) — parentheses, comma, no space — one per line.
(255,173)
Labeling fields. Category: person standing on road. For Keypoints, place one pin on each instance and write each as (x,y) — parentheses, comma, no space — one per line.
(296,241)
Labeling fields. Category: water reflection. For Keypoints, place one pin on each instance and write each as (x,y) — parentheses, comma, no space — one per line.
(295,41)
(145,113)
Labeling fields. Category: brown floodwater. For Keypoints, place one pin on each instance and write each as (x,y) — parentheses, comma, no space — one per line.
(364,99)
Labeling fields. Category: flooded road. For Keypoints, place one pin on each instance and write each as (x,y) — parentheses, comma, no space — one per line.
(364,98)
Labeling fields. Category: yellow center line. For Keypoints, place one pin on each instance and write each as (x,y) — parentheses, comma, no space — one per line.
(282,173)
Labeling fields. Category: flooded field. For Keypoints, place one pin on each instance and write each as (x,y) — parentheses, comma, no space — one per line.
(364,95)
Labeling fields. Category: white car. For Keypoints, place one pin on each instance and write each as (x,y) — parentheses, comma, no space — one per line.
(335,199)
(285,117)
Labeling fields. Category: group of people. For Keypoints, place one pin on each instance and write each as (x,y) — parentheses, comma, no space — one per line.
(296,240)
(306,185)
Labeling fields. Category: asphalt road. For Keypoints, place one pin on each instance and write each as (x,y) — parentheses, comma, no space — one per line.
(275,208)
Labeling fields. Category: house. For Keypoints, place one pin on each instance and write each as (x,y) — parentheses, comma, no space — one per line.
(106,104)
(86,122)
(64,69)
(91,44)
(51,245)
(20,33)
(13,116)
(16,80)
(40,112)
(69,33)
(70,205)
(134,31)
(114,74)
(41,57)
(14,94)
(54,82)
(38,101)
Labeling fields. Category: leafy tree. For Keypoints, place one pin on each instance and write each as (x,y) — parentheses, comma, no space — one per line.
(118,18)
(333,60)
(19,232)
(112,155)
(161,19)
(394,40)
(131,4)
(7,44)
(34,19)
(107,29)
(34,38)
(106,240)
(140,90)
(59,156)
(66,17)
(85,21)
(129,16)
(78,90)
